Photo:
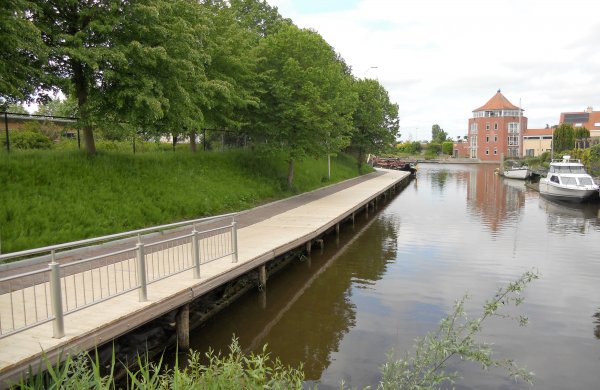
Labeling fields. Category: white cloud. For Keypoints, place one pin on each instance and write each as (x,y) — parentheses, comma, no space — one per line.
(439,59)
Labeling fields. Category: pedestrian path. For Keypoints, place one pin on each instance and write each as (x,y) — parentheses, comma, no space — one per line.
(263,234)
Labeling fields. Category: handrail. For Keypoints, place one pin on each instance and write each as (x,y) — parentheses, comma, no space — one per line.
(80,243)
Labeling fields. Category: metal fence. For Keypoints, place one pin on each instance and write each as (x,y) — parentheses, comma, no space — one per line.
(33,298)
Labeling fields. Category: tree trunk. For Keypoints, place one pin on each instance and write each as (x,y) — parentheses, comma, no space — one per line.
(174,141)
(193,146)
(290,177)
(81,90)
(359,158)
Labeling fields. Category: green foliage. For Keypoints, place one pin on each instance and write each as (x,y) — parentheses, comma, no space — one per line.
(456,339)
(375,119)
(56,196)
(448,147)
(22,52)
(305,105)
(409,147)
(564,138)
(438,135)
(433,149)
(29,140)
(57,107)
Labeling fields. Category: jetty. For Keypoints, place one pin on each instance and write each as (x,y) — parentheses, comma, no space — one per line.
(75,297)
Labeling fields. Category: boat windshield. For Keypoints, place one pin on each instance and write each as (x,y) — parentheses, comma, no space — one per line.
(586,181)
(567,169)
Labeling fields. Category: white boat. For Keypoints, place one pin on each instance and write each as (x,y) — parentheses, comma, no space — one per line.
(517,172)
(567,180)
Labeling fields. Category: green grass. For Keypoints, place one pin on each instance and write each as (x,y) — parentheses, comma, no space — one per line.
(56,196)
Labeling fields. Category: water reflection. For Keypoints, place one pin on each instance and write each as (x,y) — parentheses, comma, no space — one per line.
(308,308)
(565,217)
(496,200)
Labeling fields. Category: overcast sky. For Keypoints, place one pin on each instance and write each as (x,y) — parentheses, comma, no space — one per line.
(440,60)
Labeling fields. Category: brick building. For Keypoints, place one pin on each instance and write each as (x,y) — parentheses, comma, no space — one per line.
(589,119)
(496,129)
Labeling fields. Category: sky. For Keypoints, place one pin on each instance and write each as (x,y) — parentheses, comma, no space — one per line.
(439,60)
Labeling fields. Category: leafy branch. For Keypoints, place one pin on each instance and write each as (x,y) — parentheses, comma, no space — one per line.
(456,338)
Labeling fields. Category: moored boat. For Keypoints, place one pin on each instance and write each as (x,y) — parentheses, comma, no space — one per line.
(517,173)
(567,180)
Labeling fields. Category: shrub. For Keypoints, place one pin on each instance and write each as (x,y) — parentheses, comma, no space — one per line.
(29,140)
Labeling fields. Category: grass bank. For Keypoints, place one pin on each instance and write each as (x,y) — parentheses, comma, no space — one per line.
(56,196)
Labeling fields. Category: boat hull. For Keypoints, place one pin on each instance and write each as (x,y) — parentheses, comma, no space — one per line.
(517,173)
(566,193)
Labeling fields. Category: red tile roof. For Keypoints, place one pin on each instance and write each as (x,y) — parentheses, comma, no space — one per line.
(497,102)
(538,132)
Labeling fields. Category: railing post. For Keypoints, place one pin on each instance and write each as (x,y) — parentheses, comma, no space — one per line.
(141,268)
(234,242)
(196,253)
(58,324)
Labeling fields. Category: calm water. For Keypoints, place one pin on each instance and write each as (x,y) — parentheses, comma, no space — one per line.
(456,229)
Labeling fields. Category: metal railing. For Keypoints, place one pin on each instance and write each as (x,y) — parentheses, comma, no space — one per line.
(33,298)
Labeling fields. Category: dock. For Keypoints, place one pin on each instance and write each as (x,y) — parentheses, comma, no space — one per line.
(111,297)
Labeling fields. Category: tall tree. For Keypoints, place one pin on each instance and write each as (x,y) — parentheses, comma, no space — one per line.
(438,134)
(77,35)
(157,80)
(581,135)
(375,120)
(231,69)
(563,137)
(21,52)
(306,98)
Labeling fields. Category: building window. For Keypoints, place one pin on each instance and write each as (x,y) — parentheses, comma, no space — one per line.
(495,138)
(513,127)
(495,126)
(529,152)
(513,140)
(577,124)
(487,138)
(473,142)
(487,127)
(487,151)
(474,128)
(495,151)
(513,152)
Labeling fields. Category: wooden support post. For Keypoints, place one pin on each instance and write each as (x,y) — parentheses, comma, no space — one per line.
(262,277)
(183,328)
(337,229)
(308,247)
(367,210)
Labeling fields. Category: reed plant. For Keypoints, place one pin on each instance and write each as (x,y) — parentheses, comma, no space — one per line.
(56,196)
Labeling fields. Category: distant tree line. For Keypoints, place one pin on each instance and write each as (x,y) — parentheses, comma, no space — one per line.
(176,66)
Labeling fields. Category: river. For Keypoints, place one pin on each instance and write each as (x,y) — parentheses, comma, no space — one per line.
(393,276)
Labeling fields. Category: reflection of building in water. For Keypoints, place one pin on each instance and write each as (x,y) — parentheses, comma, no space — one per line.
(494,199)
(565,217)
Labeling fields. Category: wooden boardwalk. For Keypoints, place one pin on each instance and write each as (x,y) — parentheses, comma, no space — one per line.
(257,243)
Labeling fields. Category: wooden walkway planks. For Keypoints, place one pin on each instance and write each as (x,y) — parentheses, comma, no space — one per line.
(257,243)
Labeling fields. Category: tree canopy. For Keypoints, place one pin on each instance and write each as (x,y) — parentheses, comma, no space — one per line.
(438,135)
(375,119)
(306,99)
(176,66)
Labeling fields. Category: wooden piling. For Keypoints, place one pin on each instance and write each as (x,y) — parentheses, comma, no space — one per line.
(183,328)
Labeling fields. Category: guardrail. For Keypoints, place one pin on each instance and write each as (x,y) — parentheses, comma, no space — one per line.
(33,298)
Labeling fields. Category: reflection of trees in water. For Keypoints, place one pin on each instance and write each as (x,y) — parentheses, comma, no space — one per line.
(309,304)
(597,323)
(439,178)
(313,327)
